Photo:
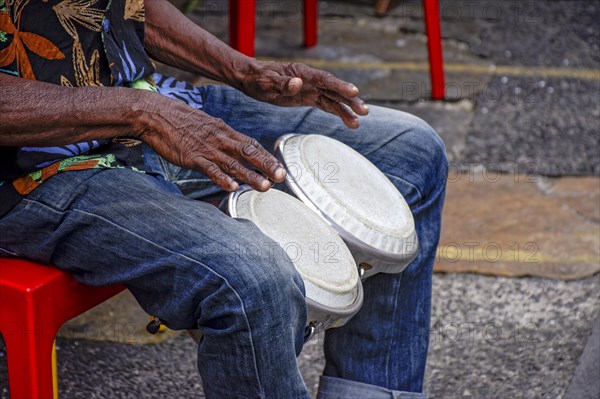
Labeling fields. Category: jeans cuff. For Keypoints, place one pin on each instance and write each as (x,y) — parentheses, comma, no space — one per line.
(338,388)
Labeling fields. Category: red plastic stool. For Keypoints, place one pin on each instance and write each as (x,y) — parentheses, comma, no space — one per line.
(242,24)
(35,301)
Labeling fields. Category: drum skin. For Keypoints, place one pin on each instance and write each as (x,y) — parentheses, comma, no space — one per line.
(354,197)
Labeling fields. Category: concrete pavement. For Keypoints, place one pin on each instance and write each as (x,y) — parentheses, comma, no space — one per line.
(492,337)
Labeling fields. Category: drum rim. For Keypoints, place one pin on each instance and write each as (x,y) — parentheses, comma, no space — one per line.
(346,235)
(232,199)
(340,313)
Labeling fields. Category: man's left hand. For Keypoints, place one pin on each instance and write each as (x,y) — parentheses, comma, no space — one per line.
(294,84)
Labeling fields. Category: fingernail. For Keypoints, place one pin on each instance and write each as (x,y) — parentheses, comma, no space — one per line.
(354,89)
(265,185)
(279,174)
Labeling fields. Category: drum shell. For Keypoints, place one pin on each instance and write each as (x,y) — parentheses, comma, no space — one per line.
(379,264)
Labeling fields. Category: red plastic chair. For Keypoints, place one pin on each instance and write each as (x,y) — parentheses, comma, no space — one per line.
(35,301)
(242,26)
(431,9)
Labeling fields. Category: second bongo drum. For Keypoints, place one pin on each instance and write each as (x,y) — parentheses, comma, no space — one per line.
(333,287)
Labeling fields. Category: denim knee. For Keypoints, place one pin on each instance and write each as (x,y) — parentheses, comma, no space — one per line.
(251,281)
(269,284)
(427,154)
(436,150)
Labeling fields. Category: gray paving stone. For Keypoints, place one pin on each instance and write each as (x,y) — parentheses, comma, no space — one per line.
(585,383)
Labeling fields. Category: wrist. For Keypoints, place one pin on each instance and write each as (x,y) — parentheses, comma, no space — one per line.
(141,111)
(241,69)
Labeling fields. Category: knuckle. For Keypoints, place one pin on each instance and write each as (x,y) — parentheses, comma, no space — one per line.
(219,123)
(212,131)
(212,169)
(269,163)
(329,79)
(233,165)
(294,67)
(248,149)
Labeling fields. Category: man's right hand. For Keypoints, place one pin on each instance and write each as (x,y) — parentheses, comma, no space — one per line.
(194,140)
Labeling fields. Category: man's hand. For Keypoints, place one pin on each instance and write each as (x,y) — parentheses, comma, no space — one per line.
(194,140)
(181,134)
(173,39)
(294,84)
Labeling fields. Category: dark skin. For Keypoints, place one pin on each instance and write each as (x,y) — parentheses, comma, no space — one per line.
(182,135)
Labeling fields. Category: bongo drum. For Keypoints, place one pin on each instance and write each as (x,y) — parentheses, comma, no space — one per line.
(333,287)
(354,197)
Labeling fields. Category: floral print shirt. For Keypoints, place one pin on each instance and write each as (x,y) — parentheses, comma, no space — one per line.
(73,43)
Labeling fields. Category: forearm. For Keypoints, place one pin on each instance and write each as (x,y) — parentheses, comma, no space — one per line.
(42,114)
(175,40)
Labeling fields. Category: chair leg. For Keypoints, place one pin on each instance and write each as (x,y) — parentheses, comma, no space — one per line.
(311,22)
(242,15)
(431,10)
(382,7)
(30,366)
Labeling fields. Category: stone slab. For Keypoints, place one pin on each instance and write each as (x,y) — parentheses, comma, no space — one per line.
(545,126)
(520,225)
(451,120)
(585,383)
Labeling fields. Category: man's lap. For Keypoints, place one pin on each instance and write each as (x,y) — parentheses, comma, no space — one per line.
(117,226)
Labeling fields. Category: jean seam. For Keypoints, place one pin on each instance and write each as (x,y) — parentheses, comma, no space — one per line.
(186,257)
(165,168)
(71,199)
(186,182)
(7,252)
(387,361)
(408,183)
(309,111)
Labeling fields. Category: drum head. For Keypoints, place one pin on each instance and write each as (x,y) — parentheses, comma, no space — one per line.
(351,193)
(321,257)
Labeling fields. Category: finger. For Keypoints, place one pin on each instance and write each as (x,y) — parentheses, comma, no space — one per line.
(289,87)
(337,108)
(233,167)
(260,159)
(214,173)
(324,80)
(248,149)
(275,85)
(356,104)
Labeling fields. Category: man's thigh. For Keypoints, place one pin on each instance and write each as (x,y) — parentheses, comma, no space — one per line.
(119,226)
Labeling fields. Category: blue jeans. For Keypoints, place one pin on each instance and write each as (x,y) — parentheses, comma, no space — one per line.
(186,262)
